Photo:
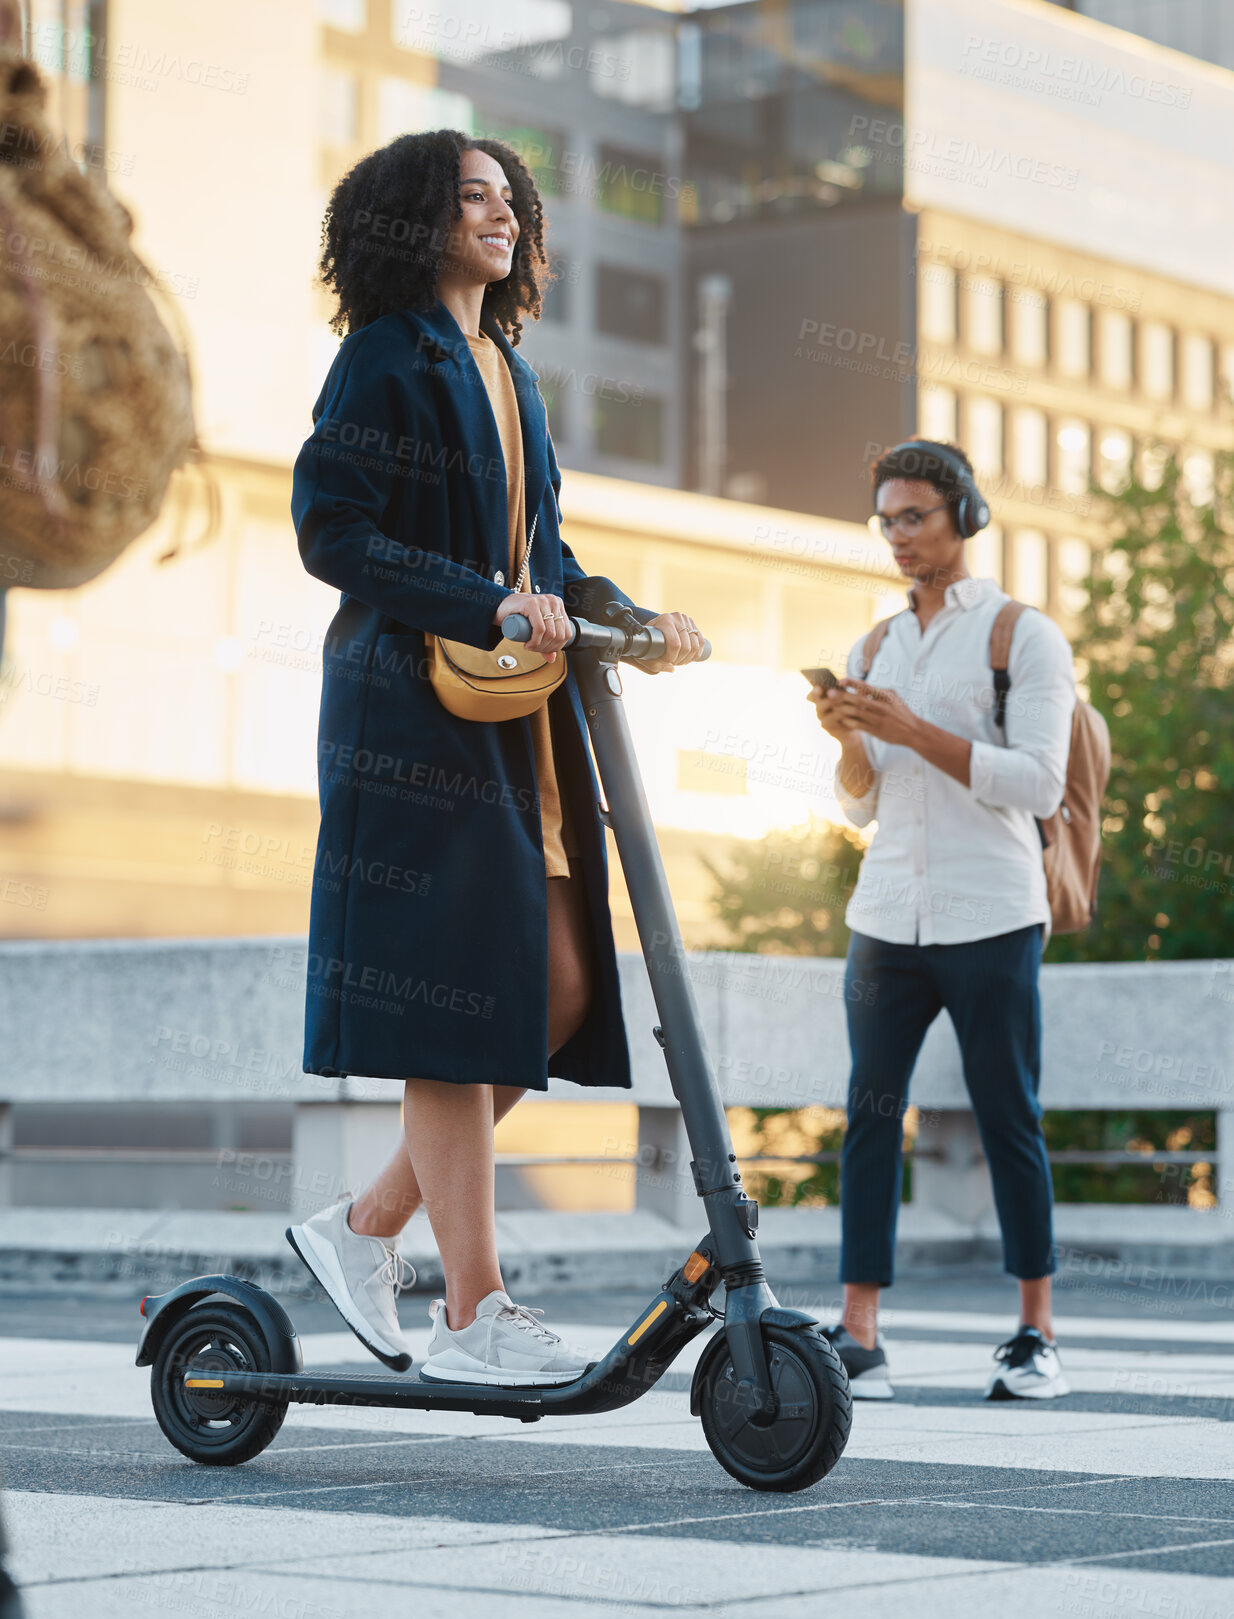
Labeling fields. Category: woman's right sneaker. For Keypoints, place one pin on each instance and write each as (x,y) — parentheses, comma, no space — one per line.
(505,1344)
(869,1376)
(361,1275)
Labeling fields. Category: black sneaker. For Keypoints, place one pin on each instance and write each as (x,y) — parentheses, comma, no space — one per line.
(1029,1370)
(869,1376)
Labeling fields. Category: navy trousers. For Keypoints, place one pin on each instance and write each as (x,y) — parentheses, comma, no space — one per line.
(893,994)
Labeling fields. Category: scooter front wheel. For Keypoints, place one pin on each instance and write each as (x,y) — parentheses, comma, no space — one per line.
(207,1427)
(807,1435)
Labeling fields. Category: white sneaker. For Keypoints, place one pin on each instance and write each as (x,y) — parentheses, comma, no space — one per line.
(505,1344)
(1030,1369)
(361,1275)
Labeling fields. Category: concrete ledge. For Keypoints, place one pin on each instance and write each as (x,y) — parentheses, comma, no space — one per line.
(139,1251)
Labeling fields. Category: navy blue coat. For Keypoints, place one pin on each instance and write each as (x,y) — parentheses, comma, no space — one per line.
(428,947)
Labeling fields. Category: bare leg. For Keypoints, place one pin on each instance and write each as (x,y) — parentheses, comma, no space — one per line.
(861,1311)
(1035,1306)
(384,1208)
(447,1156)
(569,957)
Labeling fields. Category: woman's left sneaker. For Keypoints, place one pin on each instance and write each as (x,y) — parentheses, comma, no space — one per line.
(505,1345)
(1029,1369)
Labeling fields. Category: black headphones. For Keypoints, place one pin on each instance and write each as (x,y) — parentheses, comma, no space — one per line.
(972,511)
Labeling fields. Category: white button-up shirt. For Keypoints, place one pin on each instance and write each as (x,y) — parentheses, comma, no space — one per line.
(949,863)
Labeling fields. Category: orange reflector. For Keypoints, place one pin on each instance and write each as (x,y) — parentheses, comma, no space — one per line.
(141,1308)
(653,1315)
(203,1382)
(694,1267)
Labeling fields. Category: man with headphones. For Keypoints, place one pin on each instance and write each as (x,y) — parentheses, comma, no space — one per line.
(950,908)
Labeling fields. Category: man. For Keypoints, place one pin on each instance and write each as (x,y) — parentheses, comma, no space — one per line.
(950,908)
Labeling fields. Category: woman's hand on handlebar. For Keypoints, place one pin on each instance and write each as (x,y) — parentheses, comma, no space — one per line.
(550,623)
(683,642)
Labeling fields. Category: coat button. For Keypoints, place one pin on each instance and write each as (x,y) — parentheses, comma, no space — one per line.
(536,588)
(499,578)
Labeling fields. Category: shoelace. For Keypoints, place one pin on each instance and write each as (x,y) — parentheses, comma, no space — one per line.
(1021,1348)
(395,1272)
(520,1316)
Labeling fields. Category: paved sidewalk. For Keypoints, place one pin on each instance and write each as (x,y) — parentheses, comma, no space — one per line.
(1116,1501)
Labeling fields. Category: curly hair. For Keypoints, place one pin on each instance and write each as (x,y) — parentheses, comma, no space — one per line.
(919,459)
(388,221)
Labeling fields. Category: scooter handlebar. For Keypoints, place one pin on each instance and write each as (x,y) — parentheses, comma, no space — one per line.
(643,645)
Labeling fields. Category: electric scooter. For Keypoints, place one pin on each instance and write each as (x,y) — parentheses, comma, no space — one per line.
(769,1388)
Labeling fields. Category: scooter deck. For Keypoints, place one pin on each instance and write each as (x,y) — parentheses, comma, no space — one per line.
(406,1393)
(633,1365)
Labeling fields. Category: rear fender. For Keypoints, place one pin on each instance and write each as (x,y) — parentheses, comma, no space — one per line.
(163,1310)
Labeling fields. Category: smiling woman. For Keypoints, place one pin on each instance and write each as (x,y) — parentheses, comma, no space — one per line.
(428,495)
(404,214)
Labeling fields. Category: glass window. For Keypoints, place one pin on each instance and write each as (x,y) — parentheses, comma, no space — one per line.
(983,433)
(938,297)
(349,14)
(1028,446)
(639,68)
(1074,456)
(983,315)
(404,108)
(629,303)
(1075,563)
(553,395)
(467,31)
(1156,359)
(542,150)
(936,414)
(1197,369)
(1030,567)
(1115,346)
(985,553)
(631,184)
(340,107)
(1073,333)
(555,301)
(629,428)
(1114,450)
(1028,312)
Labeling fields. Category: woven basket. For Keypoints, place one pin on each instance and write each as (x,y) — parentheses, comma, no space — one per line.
(96,404)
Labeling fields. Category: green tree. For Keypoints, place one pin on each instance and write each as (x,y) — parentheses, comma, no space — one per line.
(1156,646)
(786,893)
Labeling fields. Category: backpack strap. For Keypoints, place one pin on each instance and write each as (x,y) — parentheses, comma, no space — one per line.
(874,639)
(1000,653)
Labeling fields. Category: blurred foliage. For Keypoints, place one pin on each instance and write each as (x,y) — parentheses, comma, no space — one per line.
(1156,647)
(796,1133)
(786,893)
(1091,1131)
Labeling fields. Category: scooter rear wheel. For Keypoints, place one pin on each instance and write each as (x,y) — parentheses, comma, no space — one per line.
(809,1431)
(207,1427)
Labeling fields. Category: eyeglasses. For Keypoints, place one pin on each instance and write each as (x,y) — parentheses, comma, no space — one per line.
(909,522)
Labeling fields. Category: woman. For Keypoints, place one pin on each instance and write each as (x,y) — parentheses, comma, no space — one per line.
(459,932)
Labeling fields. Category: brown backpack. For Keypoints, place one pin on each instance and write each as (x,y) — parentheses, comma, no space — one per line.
(1071,837)
(96,404)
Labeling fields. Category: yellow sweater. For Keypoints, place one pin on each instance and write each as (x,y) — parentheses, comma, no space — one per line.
(555,831)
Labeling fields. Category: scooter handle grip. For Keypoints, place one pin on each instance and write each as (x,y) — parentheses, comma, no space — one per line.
(516,627)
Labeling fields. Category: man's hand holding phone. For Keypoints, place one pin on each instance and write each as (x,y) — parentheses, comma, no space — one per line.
(834,708)
(825,690)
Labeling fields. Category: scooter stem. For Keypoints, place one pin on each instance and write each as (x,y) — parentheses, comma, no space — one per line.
(731,1214)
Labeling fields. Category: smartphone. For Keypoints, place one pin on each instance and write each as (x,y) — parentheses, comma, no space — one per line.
(821,677)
